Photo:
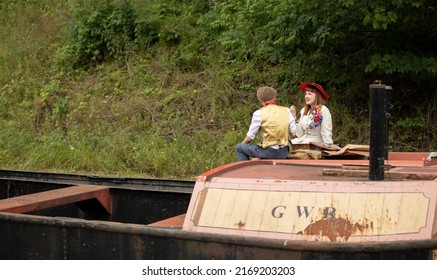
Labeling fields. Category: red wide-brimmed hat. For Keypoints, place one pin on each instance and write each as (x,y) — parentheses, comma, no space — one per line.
(304,85)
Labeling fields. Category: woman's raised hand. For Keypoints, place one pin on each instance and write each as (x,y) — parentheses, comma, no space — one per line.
(293,110)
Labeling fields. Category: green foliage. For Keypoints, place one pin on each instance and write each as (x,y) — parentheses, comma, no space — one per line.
(408,131)
(147,30)
(101,30)
(167,88)
(334,43)
(402,63)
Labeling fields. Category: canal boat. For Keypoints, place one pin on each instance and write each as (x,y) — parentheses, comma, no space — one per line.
(258,209)
(355,202)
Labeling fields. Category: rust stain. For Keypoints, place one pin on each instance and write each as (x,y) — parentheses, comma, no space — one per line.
(240,225)
(335,229)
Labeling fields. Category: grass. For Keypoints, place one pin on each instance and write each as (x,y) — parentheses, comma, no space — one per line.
(153,113)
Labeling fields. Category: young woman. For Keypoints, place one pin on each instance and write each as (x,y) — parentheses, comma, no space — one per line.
(315,123)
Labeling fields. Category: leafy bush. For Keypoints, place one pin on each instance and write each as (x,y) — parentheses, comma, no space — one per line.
(100,30)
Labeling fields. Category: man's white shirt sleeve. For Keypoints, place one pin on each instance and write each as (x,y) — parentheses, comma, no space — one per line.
(254,125)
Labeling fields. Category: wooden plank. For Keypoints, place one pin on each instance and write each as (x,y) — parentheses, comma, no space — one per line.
(58,197)
(173,222)
(398,173)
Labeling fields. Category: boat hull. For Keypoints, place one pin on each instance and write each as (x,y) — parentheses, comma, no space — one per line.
(56,238)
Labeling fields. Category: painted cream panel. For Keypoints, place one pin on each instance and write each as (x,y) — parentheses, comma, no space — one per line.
(366,213)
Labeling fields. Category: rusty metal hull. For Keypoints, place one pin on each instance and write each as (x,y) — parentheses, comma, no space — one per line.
(38,237)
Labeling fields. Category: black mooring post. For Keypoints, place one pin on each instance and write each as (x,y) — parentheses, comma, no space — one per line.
(377,131)
(388,106)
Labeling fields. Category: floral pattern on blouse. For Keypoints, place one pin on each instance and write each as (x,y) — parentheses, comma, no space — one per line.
(315,117)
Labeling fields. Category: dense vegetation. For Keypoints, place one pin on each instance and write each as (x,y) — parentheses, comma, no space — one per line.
(166,88)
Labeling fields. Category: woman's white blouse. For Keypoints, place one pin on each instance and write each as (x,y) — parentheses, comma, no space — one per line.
(322,133)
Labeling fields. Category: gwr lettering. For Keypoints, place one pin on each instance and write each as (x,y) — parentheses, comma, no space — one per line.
(305,209)
(280,214)
(279,211)
(330,213)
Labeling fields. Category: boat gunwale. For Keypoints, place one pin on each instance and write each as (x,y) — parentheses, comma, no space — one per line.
(259,242)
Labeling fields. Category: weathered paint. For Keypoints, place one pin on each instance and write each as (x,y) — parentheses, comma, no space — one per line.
(336,215)
(282,208)
(37,237)
(47,199)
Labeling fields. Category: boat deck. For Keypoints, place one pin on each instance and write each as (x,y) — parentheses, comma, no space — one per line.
(399,166)
(341,171)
